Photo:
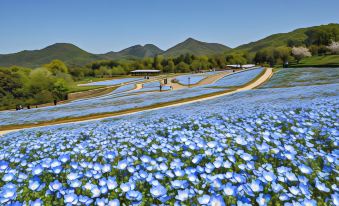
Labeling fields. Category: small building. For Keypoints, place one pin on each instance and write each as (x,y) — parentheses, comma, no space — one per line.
(238,66)
(145,72)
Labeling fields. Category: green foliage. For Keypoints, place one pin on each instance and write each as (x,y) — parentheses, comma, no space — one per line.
(182,67)
(322,35)
(236,58)
(296,38)
(57,66)
(320,61)
(271,57)
(33,86)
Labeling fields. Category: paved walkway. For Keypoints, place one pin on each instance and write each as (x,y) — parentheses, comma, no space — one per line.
(208,80)
(268,73)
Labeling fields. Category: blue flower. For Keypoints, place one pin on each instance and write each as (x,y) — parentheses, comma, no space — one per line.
(101,201)
(95,191)
(64,158)
(3,165)
(269,176)
(114,202)
(35,184)
(335,199)
(309,203)
(8,177)
(305,169)
(55,185)
(158,191)
(321,186)
(263,199)
(134,195)
(204,200)
(111,183)
(71,198)
(37,202)
(122,164)
(256,186)
(37,170)
(8,192)
(230,190)
(182,195)
(217,200)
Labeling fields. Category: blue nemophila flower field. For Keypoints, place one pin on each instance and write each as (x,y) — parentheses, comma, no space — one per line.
(253,148)
(118,101)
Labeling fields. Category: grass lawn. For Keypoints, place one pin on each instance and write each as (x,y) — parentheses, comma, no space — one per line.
(319,61)
(97,79)
(76,88)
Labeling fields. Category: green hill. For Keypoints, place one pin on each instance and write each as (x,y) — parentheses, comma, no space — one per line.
(134,52)
(297,36)
(196,47)
(68,53)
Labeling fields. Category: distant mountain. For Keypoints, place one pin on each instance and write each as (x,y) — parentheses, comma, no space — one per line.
(282,39)
(73,55)
(196,47)
(68,53)
(135,52)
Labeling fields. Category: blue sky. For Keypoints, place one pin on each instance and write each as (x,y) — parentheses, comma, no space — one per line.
(99,26)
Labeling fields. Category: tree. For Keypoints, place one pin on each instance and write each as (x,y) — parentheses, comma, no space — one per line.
(183,67)
(170,67)
(334,47)
(60,89)
(157,62)
(300,52)
(283,53)
(118,70)
(236,59)
(56,66)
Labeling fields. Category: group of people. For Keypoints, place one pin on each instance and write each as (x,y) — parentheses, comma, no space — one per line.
(20,107)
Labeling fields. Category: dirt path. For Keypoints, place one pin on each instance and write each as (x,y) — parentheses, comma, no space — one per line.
(137,87)
(268,73)
(208,80)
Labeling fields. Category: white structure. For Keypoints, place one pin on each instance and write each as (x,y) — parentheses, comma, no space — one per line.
(238,66)
(145,72)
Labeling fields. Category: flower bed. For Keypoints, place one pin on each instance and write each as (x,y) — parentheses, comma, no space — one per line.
(268,146)
(290,77)
(238,79)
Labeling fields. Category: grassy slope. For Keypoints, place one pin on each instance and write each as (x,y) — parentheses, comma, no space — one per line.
(324,61)
(281,39)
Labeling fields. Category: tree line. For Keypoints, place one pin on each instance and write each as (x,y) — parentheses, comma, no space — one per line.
(181,64)
(29,87)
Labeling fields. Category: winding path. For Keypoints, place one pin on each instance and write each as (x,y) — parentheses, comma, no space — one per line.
(263,78)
